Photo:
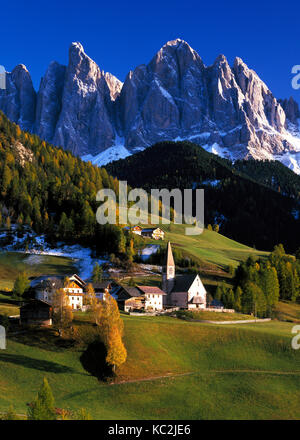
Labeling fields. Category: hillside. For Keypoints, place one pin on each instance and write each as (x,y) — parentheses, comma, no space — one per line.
(50,190)
(192,371)
(245,210)
(272,174)
(12,263)
(211,250)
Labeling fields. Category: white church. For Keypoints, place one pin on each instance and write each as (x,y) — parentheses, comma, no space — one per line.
(184,291)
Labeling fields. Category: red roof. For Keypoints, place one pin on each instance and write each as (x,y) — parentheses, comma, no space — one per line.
(151,289)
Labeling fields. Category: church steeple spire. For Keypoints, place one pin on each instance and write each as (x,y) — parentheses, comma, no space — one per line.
(168,271)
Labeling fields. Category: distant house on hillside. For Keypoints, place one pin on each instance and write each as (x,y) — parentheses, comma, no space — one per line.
(156,233)
(134,229)
(36,312)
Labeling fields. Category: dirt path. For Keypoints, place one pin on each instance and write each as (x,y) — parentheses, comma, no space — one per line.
(201,373)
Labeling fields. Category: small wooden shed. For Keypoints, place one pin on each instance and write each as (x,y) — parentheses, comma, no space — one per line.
(36,312)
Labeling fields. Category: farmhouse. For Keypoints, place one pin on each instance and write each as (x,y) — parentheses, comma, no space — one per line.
(105,287)
(36,312)
(130,299)
(45,286)
(140,298)
(156,233)
(153,297)
(134,229)
(74,287)
(184,291)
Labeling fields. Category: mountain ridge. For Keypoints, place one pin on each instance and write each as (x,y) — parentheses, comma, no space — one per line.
(227,109)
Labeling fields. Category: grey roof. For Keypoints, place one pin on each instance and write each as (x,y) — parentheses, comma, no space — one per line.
(35,303)
(131,291)
(102,285)
(42,280)
(183,282)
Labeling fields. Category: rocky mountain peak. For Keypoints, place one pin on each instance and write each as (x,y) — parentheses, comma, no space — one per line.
(291,109)
(227,109)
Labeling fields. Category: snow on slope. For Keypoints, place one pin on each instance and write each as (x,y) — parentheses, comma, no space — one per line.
(117,151)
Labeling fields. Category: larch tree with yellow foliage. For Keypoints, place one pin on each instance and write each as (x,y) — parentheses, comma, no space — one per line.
(111,328)
(116,351)
(62,311)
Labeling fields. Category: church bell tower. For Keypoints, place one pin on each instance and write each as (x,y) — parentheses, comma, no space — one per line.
(168,271)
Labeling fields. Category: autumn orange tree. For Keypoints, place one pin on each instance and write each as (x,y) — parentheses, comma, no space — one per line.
(116,351)
(90,297)
(111,328)
(62,311)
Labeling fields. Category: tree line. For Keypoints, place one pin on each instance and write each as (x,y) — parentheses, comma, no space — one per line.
(259,284)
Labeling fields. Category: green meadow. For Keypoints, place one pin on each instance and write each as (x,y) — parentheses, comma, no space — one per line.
(12,263)
(175,370)
(210,247)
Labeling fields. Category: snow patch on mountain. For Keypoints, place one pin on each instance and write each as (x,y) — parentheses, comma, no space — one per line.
(116,152)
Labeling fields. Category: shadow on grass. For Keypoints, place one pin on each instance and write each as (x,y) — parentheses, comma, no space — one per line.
(36,364)
(93,361)
(7,298)
(42,338)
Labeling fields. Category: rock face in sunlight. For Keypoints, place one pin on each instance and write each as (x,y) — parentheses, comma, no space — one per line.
(226,109)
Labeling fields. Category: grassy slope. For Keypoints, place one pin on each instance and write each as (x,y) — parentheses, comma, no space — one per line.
(199,315)
(12,263)
(209,246)
(287,311)
(236,372)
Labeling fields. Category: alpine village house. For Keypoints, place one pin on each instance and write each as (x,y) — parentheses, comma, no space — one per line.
(180,291)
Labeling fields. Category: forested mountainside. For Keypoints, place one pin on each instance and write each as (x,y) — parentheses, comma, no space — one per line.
(273,174)
(49,189)
(244,208)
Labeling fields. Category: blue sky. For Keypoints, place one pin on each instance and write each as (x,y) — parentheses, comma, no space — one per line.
(120,35)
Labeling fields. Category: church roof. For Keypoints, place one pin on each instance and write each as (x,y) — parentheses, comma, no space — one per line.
(183,283)
(169,257)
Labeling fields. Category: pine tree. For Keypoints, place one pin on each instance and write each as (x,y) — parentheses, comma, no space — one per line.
(42,408)
(10,414)
(97,275)
(238,299)
(253,300)
(21,285)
